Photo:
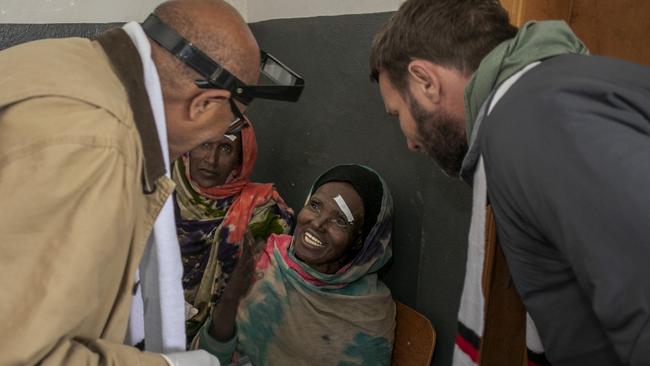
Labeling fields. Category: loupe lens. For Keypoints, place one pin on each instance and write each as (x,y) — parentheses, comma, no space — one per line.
(277,73)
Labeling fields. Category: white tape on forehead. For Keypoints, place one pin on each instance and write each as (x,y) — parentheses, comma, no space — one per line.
(232,138)
(344,207)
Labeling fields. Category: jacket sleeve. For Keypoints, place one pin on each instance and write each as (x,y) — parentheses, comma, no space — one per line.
(66,231)
(573,168)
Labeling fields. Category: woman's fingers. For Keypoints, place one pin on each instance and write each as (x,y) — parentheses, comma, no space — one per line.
(248,243)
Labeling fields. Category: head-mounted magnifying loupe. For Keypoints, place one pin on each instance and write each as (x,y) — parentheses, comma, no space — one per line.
(285,84)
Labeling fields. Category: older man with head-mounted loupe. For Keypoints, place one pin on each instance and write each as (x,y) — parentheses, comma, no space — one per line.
(88,129)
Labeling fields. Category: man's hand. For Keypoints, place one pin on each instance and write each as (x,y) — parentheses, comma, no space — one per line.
(191,358)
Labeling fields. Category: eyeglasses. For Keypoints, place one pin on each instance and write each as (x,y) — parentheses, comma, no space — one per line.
(286,84)
(240,120)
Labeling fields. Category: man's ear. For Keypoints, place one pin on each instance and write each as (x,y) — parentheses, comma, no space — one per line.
(206,101)
(425,79)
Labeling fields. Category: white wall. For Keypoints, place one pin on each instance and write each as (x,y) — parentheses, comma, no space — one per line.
(74,11)
(101,11)
(274,9)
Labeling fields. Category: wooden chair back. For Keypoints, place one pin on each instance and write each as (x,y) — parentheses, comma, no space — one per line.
(415,338)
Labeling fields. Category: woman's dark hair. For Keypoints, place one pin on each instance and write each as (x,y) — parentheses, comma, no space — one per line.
(367,185)
(451,33)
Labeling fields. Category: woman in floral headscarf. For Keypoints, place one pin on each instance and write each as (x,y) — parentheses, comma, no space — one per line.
(216,205)
(315,298)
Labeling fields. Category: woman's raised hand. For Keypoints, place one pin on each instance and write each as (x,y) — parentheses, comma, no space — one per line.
(224,314)
(242,275)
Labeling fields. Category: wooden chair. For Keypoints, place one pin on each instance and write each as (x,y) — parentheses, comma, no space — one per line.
(415,338)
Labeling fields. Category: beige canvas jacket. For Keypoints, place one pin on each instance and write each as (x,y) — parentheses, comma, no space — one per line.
(78,153)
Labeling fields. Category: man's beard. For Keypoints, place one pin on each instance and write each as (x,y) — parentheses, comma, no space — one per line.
(442,135)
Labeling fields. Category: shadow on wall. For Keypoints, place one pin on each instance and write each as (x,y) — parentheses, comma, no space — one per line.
(341,118)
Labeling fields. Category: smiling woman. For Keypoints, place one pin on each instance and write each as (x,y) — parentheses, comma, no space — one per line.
(325,238)
(314,298)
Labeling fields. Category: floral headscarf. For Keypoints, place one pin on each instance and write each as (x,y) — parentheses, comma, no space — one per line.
(211,223)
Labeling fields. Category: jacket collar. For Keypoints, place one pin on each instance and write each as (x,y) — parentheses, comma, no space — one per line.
(127,65)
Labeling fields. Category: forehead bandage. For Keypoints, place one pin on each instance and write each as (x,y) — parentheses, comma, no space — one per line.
(344,207)
(232,138)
